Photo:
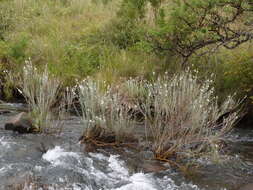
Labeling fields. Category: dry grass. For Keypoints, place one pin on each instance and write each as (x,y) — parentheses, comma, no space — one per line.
(53,33)
(56,20)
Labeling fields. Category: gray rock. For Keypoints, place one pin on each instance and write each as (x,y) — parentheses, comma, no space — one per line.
(148,167)
(17,107)
(147,155)
(21,123)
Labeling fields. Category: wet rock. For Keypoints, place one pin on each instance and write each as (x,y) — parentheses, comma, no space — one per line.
(145,166)
(90,148)
(99,133)
(17,107)
(21,123)
(247,187)
(147,155)
(2,112)
(154,166)
(25,182)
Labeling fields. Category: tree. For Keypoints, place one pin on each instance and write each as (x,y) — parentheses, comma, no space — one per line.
(196,24)
(185,27)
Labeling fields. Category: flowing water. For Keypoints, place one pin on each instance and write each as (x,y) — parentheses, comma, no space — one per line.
(60,162)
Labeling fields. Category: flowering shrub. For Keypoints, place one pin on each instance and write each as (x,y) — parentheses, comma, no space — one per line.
(182,115)
(103,114)
(41,92)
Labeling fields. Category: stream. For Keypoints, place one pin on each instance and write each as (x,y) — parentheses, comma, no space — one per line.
(60,162)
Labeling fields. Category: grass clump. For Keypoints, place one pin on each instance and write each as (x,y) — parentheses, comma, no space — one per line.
(42,92)
(106,120)
(184,118)
(180,115)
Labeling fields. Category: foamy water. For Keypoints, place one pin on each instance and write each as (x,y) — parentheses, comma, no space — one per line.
(115,174)
(4,143)
(57,155)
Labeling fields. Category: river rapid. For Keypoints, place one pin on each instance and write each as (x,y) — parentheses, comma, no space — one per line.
(60,162)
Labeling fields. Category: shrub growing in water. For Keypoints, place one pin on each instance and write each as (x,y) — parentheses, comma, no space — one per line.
(106,120)
(184,118)
(181,114)
(42,93)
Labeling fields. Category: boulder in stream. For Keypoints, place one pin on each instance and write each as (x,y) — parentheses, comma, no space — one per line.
(21,123)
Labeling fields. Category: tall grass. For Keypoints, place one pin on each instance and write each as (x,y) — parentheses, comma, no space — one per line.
(55,33)
(71,37)
(42,93)
(182,116)
(104,116)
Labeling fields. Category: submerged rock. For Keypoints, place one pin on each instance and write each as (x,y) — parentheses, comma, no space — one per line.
(137,163)
(21,123)
(13,107)
(99,133)
(155,167)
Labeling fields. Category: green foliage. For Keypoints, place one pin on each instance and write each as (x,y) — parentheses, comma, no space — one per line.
(127,29)
(77,61)
(53,33)
(232,70)
(132,10)
(112,39)
(17,50)
(5,19)
(4,49)
(239,71)
(184,27)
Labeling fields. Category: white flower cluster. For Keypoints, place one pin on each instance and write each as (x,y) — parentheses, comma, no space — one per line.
(179,111)
(103,108)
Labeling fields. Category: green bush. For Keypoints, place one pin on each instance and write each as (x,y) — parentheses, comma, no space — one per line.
(232,70)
